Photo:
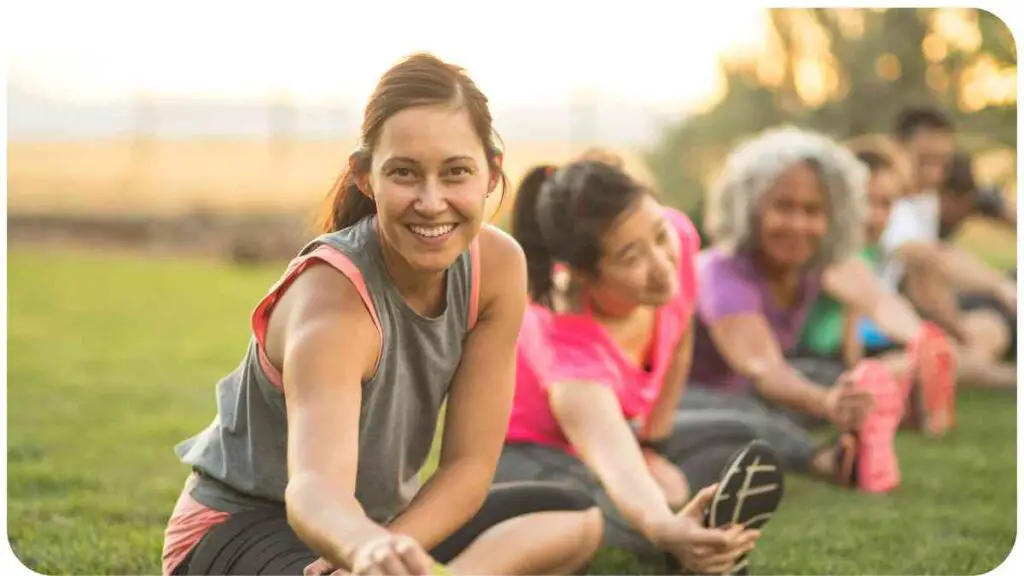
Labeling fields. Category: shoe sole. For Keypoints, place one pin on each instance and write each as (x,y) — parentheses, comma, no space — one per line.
(749,492)
(877,466)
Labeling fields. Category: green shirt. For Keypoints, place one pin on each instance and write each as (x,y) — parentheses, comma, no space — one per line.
(823,328)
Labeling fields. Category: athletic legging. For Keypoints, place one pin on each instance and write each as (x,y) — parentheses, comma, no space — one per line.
(260,541)
(700,445)
(785,429)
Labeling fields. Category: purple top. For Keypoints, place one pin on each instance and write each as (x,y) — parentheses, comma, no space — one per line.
(729,284)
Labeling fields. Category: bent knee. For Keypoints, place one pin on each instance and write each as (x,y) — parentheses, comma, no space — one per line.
(593,529)
(986,332)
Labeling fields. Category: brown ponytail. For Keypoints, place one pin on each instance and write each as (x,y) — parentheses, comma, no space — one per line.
(345,204)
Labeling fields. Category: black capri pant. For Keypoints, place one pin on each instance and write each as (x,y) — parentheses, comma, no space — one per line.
(260,541)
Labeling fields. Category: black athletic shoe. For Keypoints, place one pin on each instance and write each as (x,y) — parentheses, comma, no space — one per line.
(750,490)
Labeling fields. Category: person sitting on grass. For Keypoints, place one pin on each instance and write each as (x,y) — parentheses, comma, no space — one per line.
(992,321)
(837,333)
(786,219)
(944,282)
(838,336)
(406,300)
(601,357)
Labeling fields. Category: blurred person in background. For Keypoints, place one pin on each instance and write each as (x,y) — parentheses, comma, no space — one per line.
(961,198)
(835,332)
(994,322)
(786,216)
(602,358)
(932,272)
(408,299)
(972,369)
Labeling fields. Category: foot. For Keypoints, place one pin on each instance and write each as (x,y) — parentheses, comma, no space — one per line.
(873,466)
(749,493)
(934,394)
(750,489)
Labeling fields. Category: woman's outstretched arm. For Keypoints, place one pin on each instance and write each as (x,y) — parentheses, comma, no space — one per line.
(479,402)
(325,343)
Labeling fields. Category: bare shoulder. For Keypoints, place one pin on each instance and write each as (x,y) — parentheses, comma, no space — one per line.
(320,300)
(502,266)
(322,289)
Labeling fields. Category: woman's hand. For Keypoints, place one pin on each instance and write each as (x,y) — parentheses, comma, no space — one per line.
(393,554)
(669,477)
(847,404)
(704,550)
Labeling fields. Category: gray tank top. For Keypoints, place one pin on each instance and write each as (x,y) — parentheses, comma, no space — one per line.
(240,458)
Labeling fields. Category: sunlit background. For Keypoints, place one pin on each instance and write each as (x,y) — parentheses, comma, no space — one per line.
(186,106)
(332,53)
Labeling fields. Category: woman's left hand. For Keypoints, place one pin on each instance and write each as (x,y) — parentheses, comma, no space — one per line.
(669,477)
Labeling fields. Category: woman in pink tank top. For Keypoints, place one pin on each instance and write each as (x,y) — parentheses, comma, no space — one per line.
(601,360)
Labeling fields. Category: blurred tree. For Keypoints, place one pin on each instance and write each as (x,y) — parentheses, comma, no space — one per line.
(847,72)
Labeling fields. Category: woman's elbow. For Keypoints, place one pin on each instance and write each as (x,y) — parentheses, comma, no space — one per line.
(298,495)
(306,494)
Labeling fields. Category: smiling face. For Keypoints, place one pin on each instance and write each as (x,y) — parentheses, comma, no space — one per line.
(429,178)
(793,218)
(639,259)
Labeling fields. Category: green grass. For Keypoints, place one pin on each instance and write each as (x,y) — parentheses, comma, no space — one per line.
(112,360)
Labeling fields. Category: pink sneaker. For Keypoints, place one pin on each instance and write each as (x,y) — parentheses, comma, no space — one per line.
(877,468)
(935,370)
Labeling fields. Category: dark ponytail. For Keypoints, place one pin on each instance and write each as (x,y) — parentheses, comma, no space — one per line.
(526,229)
(562,215)
(345,204)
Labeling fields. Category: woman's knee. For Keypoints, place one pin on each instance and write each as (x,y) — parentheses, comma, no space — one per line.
(987,333)
(592,523)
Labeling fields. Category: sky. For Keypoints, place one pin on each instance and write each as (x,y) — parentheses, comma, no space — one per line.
(645,52)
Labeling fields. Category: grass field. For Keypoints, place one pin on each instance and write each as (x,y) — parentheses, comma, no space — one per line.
(112,360)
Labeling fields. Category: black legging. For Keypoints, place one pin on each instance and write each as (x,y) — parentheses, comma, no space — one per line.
(701,444)
(260,541)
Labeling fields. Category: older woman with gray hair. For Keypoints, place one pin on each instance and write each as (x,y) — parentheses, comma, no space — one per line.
(786,219)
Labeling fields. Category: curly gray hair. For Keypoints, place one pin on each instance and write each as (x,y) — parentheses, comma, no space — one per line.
(755,165)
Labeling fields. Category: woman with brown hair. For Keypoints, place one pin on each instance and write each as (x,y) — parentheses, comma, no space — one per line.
(406,300)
